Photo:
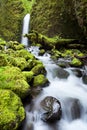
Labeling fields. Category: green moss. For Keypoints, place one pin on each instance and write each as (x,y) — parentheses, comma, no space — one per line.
(3,60)
(38,69)
(19,62)
(25,54)
(55,54)
(11,110)
(2,42)
(75,62)
(41,52)
(29,75)
(39,80)
(15,45)
(57,17)
(13,79)
(49,43)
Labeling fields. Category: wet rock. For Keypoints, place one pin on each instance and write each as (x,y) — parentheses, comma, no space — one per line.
(73,109)
(61,73)
(51,108)
(77,72)
(63,63)
(84,78)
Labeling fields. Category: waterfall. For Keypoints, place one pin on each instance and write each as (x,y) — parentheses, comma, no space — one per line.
(24,40)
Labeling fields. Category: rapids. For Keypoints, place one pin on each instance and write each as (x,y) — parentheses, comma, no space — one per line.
(71,92)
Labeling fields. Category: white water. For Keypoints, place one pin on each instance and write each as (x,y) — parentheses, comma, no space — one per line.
(66,91)
(24,40)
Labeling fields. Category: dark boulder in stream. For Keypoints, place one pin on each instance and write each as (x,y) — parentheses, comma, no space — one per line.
(51,109)
(62,74)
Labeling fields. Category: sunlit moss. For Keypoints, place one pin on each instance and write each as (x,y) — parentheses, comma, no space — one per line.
(11,110)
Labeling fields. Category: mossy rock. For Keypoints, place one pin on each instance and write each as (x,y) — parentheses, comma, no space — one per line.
(76,62)
(42,51)
(12,78)
(20,62)
(11,110)
(15,45)
(29,75)
(38,69)
(25,54)
(3,60)
(39,80)
(55,54)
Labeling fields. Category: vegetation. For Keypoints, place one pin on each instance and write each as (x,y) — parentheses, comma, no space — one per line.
(19,71)
(12,112)
(11,18)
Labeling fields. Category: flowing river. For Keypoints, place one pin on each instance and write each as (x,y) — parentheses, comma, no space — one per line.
(71,92)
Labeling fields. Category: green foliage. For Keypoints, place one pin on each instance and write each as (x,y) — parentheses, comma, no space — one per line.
(75,62)
(58,17)
(13,79)
(38,69)
(28,5)
(39,80)
(11,110)
(29,75)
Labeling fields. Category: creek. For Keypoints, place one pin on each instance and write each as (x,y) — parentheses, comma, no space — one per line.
(70,91)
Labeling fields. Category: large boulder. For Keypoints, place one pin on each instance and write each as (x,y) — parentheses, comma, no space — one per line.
(51,109)
(11,110)
(61,73)
(66,18)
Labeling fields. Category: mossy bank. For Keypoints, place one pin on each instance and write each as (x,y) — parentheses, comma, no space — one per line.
(67,18)
(20,72)
(11,17)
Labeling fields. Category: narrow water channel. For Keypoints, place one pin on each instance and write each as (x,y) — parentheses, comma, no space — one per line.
(70,91)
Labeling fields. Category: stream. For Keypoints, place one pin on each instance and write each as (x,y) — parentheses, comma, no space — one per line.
(71,92)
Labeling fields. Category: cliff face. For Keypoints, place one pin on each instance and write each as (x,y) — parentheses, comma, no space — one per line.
(67,18)
(11,17)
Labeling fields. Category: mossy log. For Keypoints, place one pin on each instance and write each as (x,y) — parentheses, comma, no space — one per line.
(55,42)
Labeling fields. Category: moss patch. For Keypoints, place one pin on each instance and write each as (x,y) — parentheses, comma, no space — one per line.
(13,79)
(39,80)
(11,110)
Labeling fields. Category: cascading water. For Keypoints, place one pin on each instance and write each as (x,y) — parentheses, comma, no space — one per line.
(72,94)
(24,40)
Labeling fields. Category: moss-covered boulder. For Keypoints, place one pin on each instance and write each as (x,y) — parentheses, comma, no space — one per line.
(67,18)
(38,69)
(12,78)
(40,80)
(15,45)
(76,62)
(29,75)
(3,60)
(11,110)
(25,54)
